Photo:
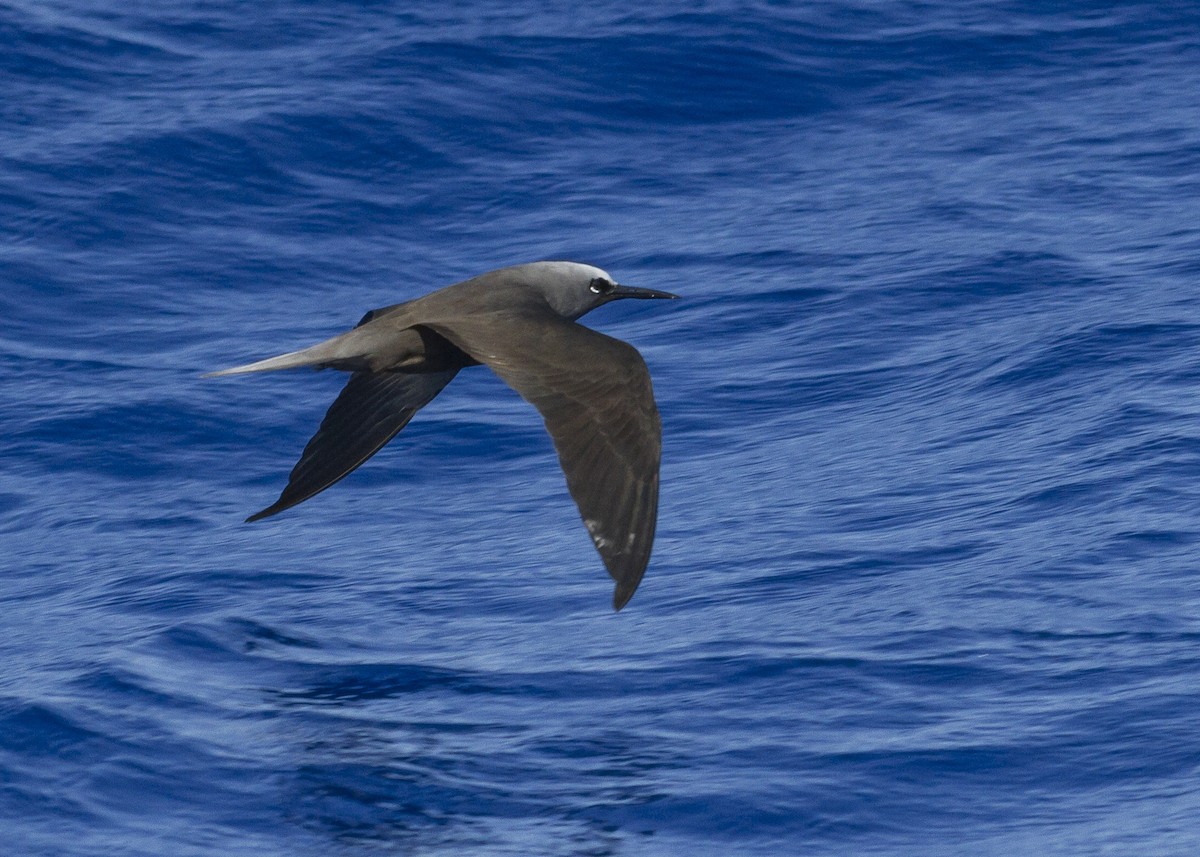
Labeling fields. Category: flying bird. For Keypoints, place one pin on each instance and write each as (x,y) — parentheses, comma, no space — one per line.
(593,392)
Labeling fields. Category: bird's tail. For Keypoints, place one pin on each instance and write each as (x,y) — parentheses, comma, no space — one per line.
(293,360)
(342,352)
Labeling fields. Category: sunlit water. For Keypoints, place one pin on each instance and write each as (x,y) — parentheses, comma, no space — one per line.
(926,574)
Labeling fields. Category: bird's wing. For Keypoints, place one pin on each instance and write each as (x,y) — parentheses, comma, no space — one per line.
(595,395)
(370,411)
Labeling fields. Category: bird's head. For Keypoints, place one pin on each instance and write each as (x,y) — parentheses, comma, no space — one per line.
(573,289)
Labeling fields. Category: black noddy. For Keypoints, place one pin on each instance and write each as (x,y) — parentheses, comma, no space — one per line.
(593,392)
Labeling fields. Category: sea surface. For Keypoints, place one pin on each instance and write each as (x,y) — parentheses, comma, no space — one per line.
(927,578)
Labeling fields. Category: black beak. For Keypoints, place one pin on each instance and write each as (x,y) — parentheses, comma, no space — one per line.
(631,292)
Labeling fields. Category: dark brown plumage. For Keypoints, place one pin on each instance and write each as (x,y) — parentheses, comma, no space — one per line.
(593,392)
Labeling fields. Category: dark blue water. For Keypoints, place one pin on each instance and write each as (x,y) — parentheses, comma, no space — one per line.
(927,578)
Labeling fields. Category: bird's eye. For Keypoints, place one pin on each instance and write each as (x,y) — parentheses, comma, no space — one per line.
(600,286)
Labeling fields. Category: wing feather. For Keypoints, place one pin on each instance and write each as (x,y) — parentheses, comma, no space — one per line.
(371,409)
(595,395)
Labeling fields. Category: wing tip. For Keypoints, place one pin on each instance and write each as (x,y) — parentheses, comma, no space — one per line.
(623,593)
(273,509)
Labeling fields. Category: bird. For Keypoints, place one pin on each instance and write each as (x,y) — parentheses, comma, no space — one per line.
(593,392)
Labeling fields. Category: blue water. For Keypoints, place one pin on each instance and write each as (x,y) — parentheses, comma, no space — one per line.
(926,579)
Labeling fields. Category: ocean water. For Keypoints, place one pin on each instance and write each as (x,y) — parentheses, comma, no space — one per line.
(927,578)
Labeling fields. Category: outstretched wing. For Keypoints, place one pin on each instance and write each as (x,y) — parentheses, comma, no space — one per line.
(595,395)
(370,411)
